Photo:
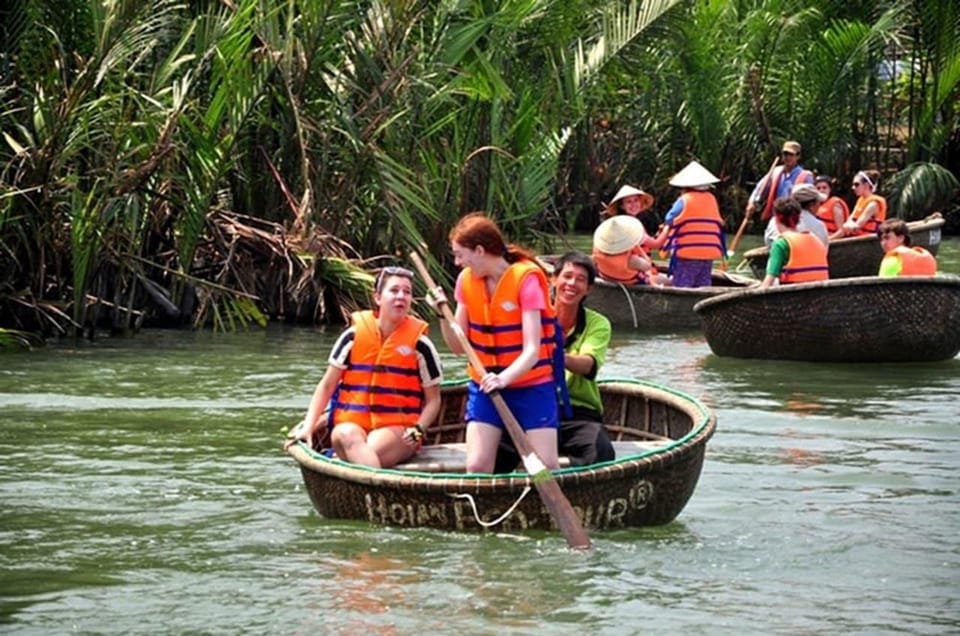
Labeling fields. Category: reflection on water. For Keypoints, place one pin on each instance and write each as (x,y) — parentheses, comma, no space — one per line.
(837,390)
(144,491)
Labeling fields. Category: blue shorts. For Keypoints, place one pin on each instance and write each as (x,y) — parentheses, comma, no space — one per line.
(533,406)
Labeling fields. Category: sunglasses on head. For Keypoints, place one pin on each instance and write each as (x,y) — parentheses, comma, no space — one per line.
(392,271)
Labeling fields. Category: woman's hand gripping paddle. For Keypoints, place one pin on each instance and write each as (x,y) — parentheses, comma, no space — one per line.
(547,487)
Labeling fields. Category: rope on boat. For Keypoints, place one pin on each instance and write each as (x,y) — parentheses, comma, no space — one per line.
(633,310)
(476,514)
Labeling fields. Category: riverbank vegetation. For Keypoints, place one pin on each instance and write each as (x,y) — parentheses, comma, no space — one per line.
(221,162)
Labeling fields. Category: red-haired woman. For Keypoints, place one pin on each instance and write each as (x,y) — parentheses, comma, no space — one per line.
(503,306)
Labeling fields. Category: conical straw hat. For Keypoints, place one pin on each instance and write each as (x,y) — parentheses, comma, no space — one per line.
(646,199)
(693,176)
(618,234)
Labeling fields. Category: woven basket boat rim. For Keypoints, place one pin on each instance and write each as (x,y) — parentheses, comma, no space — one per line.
(939,280)
(744,281)
(704,419)
(931,222)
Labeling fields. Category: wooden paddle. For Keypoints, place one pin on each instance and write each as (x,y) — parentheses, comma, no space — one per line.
(746,217)
(547,487)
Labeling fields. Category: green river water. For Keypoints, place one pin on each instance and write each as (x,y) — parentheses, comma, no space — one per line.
(143,490)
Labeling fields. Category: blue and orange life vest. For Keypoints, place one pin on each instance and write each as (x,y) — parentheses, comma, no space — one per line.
(381,385)
(495,327)
(697,232)
(825,213)
(915,261)
(808,259)
(804,176)
(616,267)
(871,226)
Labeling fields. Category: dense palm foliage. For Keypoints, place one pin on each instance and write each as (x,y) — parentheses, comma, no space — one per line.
(216,162)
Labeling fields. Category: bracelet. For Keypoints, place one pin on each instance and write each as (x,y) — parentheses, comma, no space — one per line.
(417,433)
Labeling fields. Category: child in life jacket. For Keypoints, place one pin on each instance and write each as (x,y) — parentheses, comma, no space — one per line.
(619,256)
(901,258)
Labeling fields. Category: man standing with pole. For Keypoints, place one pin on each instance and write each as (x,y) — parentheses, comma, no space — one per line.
(777,183)
(780,181)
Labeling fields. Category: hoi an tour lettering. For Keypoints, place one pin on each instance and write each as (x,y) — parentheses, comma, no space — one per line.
(458,514)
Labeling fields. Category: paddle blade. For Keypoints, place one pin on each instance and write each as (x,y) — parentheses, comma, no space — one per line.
(563,513)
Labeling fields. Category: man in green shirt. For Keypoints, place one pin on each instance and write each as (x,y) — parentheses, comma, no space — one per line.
(583,437)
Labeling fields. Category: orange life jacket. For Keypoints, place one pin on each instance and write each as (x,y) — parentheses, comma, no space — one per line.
(807,261)
(697,232)
(915,261)
(871,226)
(495,326)
(825,213)
(616,267)
(805,176)
(381,385)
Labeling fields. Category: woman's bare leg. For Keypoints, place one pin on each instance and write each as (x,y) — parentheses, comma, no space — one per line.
(482,442)
(350,443)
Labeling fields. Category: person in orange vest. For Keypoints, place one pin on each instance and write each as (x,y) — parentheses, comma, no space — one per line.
(901,258)
(693,228)
(833,212)
(870,209)
(582,436)
(382,382)
(503,306)
(780,182)
(795,257)
(619,256)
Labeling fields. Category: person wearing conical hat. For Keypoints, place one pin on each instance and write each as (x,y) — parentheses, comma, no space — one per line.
(618,254)
(779,181)
(692,229)
(628,200)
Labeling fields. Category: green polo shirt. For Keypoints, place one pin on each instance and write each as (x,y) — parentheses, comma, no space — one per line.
(779,255)
(591,336)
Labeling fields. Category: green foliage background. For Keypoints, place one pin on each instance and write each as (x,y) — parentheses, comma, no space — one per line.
(218,162)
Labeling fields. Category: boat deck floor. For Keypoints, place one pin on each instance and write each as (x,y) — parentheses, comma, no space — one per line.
(452,458)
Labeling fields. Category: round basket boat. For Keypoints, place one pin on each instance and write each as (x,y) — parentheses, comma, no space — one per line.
(652,307)
(866,319)
(659,434)
(859,255)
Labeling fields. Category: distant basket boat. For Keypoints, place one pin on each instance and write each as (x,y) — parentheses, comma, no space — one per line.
(658,308)
(659,434)
(865,319)
(859,255)
(655,308)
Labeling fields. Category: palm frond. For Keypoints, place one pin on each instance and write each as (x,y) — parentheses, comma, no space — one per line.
(919,189)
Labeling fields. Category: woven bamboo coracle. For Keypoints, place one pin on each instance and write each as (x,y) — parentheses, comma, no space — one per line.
(866,319)
(666,432)
(859,255)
